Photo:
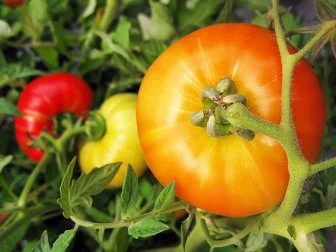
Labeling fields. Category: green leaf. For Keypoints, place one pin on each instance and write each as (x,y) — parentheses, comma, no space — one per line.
(325,10)
(101,233)
(152,49)
(166,197)
(89,10)
(43,244)
(122,241)
(186,229)
(198,16)
(65,189)
(226,12)
(259,5)
(160,25)
(34,18)
(60,37)
(49,56)
(121,35)
(4,161)
(80,191)
(64,240)
(146,227)
(13,72)
(255,241)
(9,243)
(5,29)
(39,10)
(8,108)
(3,61)
(129,194)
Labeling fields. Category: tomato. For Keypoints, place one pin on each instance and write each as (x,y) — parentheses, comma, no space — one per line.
(14,3)
(227,175)
(120,142)
(41,100)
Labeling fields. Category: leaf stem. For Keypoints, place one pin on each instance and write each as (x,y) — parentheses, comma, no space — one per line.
(326,27)
(30,214)
(125,223)
(110,13)
(315,221)
(322,165)
(31,180)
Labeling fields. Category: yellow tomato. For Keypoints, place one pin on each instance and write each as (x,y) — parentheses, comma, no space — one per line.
(120,142)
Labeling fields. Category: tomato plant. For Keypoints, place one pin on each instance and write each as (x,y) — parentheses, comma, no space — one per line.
(42,99)
(120,142)
(226,175)
(14,3)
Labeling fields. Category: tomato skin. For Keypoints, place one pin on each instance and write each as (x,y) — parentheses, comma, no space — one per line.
(227,176)
(14,3)
(120,142)
(42,99)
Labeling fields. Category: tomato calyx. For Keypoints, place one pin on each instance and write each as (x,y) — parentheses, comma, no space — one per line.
(216,101)
(95,126)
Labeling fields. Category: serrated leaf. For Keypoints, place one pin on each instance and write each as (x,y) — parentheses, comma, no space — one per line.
(166,197)
(7,108)
(163,217)
(64,201)
(255,241)
(4,161)
(9,243)
(129,194)
(13,72)
(260,5)
(49,56)
(121,35)
(34,18)
(85,186)
(152,49)
(5,29)
(186,229)
(89,10)
(43,244)
(146,227)
(318,47)
(226,12)
(39,10)
(160,25)
(325,10)
(198,16)
(64,240)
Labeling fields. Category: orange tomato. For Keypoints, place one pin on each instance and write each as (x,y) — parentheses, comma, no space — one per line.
(229,176)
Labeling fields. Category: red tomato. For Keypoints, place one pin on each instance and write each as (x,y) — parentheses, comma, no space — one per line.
(229,176)
(14,3)
(44,98)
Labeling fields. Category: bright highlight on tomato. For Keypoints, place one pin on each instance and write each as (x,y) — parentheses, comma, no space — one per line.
(41,100)
(120,142)
(225,175)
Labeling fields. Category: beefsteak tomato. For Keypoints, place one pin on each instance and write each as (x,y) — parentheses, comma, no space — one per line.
(120,142)
(227,175)
(41,100)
